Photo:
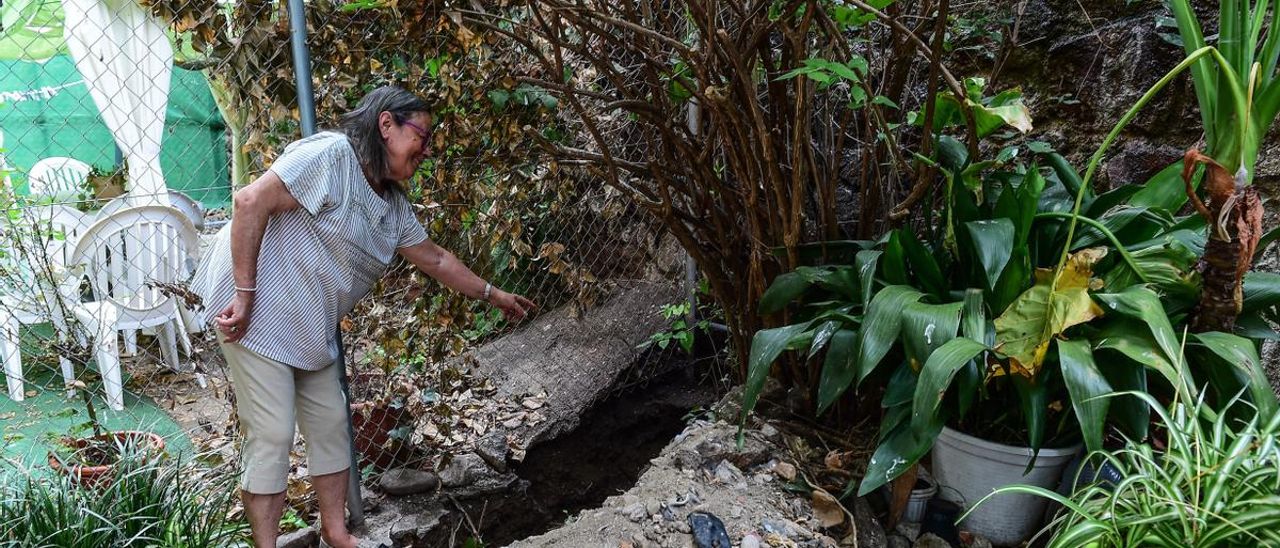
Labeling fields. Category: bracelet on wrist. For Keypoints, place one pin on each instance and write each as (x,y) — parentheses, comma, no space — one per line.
(488,289)
(246,289)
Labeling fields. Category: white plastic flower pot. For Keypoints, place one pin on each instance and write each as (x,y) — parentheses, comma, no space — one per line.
(967,468)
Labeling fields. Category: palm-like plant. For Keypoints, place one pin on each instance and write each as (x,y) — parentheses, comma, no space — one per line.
(1239,96)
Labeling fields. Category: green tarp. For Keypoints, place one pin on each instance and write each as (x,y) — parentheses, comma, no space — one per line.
(45,110)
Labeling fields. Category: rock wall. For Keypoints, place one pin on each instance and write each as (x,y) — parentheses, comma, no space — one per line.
(1083,64)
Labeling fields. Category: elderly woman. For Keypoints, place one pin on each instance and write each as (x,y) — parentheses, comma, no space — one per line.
(308,240)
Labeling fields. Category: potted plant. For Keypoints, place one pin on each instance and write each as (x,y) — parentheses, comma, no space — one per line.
(983,334)
(91,460)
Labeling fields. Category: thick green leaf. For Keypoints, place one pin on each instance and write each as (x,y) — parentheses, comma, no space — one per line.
(881,325)
(902,448)
(1271,236)
(784,289)
(895,260)
(1254,325)
(865,263)
(926,327)
(822,335)
(1130,414)
(1144,305)
(1164,190)
(1085,384)
(973,324)
(893,418)
(1261,290)
(1115,221)
(765,348)
(1170,267)
(923,263)
(1033,398)
(1240,355)
(936,377)
(901,387)
(1013,281)
(1107,200)
(841,280)
(837,369)
(952,154)
(1068,175)
(1133,339)
(992,243)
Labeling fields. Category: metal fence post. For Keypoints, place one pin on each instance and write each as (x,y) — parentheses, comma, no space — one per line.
(307,113)
(302,66)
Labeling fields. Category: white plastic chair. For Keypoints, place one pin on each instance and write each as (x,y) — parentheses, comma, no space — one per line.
(195,213)
(39,289)
(124,254)
(59,178)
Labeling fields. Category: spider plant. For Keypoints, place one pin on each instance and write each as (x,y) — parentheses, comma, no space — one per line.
(1216,483)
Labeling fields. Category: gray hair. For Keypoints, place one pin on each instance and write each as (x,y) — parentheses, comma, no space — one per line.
(361,126)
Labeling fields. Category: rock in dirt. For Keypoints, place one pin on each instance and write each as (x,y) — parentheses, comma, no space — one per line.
(465,469)
(635,512)
(930,540)
(708,531)
(305,537)
(750,541)
(727,473)
(411,530)
(493,449)
(407,481)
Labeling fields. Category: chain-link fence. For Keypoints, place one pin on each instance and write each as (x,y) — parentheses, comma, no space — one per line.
(125,132)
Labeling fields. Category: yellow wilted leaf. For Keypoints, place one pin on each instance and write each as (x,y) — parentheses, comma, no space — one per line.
(1024,331)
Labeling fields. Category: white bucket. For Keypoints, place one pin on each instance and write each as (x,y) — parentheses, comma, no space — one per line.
(967,468)
(919,499)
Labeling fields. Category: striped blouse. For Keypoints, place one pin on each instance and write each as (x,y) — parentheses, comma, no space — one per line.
(317,261)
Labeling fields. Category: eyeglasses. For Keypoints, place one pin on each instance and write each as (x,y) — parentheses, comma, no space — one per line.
(421,132)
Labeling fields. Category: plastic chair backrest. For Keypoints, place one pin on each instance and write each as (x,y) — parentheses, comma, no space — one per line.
(126,252)
(60,178)
(177,200)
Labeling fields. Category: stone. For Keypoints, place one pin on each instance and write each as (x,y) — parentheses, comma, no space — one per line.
(930,540)
(750,541)
(785,470)
(898,541)
(685,459)
(653,507)
(305,537)
(410,530)
(870,532)
(771,433)
(634,512)
(727,473)
(493,449)
(407,481)
(464,469)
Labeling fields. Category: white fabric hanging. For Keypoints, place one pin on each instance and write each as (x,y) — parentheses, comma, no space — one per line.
(126,60)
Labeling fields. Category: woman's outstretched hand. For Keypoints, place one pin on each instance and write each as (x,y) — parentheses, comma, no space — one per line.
(514,307)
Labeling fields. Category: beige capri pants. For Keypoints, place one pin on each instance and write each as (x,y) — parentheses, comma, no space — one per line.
(270,397)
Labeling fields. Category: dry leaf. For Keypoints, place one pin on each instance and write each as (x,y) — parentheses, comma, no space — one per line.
(827,509)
